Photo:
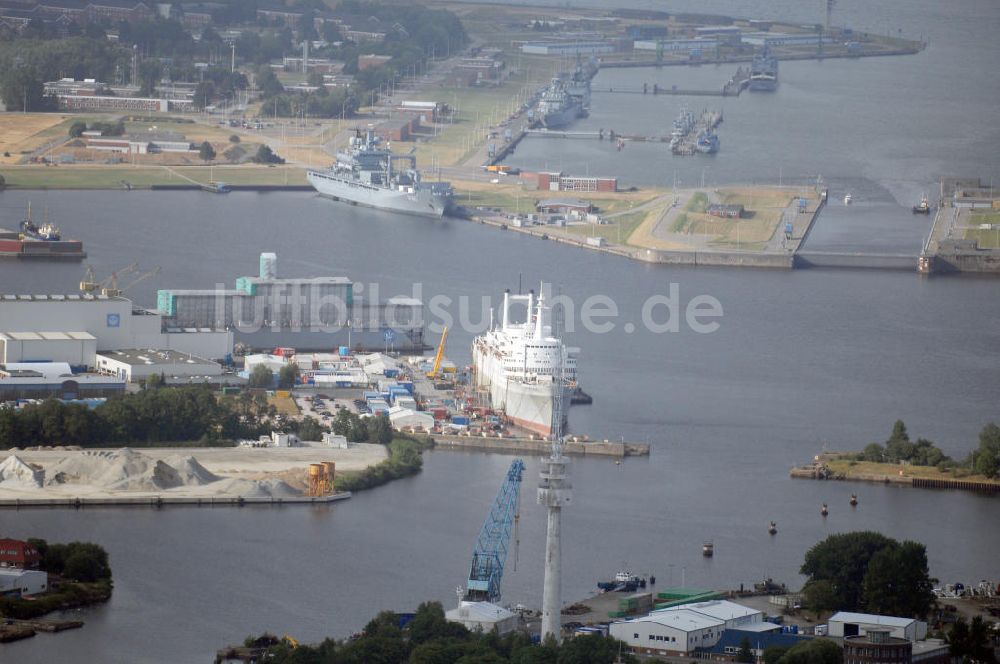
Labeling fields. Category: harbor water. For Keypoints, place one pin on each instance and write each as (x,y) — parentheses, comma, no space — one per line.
(802,360)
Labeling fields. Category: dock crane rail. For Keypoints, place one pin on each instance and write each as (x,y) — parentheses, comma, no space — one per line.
(490,554)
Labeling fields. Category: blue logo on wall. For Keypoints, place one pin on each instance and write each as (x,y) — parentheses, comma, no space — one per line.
(114,320)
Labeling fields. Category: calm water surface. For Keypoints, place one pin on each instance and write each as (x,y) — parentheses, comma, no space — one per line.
(801,359)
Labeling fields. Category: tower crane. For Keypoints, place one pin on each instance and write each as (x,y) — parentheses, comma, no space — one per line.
(490,554)
(113,290)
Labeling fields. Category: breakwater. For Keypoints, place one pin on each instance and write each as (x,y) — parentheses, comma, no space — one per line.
(614,449)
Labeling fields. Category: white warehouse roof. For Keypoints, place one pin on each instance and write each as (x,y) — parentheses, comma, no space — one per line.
(481,612)
(871,619)
(719,609)
(680,618)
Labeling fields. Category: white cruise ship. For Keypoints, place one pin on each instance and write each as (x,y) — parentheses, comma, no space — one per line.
(523,366)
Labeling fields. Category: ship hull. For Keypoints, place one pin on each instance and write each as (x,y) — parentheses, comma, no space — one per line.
(563,118)
(422,201)
(763,85)
(528,405)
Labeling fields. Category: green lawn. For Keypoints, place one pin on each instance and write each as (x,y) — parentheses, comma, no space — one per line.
(616,231)
(986,239)
(111,177)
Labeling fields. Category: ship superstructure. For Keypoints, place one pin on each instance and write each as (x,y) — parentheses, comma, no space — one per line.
(764,71)
(370,174)
(523,367)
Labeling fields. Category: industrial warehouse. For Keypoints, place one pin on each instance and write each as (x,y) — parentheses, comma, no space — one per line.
(308,313)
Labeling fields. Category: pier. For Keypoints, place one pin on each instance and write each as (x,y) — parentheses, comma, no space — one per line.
(606,448)
(733,88)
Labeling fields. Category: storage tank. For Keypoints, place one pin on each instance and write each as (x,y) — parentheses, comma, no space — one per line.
(330,471)
(268,266)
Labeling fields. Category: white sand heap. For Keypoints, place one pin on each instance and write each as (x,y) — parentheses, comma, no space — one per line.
(15,471)
(127,470)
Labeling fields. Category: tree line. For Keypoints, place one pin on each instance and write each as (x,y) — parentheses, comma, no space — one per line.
(428,638)
(898,448)
(156,414)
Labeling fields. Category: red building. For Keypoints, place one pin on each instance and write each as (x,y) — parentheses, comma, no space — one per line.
(16,553)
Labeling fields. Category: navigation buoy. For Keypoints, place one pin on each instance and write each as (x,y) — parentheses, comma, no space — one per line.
(773,528)
(824,511)
(854,500)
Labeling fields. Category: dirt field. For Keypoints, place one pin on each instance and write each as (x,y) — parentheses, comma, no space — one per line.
(25,131)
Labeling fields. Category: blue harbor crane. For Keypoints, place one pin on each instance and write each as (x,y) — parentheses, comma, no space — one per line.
(490,553)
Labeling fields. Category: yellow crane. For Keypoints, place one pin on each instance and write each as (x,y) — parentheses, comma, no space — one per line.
(433,373)
(112,290)
(90,283)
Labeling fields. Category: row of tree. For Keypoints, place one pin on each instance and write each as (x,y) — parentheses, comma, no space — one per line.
(985,460)
(77,561)
(428,638)
(867,571)
(153,415)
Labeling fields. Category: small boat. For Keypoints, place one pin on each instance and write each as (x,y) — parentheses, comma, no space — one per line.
(924,207)
(773,528)
(824,510)
(848,198)
(854,500)
(624,576)
(708,549)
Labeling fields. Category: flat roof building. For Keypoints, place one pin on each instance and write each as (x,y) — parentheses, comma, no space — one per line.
(21,582)
(845,623)
(42,380)
(132,363)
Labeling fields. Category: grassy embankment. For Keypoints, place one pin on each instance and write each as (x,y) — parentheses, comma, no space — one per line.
(846,466)
(750,233)
(987,239)
(66,595)
(112,176)
(404,460)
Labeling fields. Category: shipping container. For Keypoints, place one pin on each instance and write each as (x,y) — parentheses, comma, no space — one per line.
(11,245)
(460,420)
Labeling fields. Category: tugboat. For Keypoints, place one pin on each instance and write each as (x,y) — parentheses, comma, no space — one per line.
(773,528)
(854,500)
(924,207)
(824,511)
(708,549)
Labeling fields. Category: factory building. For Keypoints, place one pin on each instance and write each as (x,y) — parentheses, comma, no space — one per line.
(676,633)
(681,630)
(556,181)
(845,624)
(675,45)
(74,329)
(568,48)
(309,313)
(42,380)
(75,348)
(136,364)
